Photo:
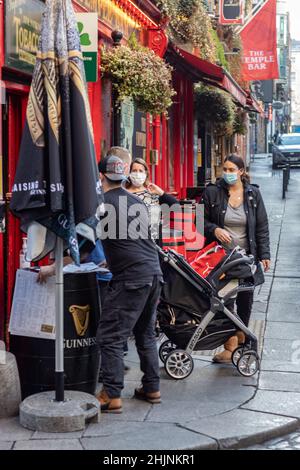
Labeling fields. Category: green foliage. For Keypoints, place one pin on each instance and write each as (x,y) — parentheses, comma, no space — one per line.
(248,7)
(190,23)
(239,125)
(232,41)
(219,50)
(217,107)
(137,72)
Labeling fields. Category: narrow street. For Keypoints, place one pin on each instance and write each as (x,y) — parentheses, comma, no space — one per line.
(281,359)
(216,408)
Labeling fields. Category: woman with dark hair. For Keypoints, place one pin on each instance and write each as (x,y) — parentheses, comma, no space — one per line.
(235,215)
(151,194)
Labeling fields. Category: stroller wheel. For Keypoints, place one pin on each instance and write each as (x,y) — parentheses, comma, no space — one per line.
(236,355)
(165,348)
(248,363)
(179,364)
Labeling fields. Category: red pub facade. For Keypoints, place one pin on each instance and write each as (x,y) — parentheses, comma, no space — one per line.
(169,145)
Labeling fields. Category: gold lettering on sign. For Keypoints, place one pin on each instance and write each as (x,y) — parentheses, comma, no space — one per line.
(27,38)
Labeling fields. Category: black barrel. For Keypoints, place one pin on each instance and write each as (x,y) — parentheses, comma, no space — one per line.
(36,356)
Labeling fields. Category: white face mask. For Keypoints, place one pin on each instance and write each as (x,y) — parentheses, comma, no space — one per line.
(137,178)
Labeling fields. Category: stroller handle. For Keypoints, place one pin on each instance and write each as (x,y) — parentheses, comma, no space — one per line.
(230,265)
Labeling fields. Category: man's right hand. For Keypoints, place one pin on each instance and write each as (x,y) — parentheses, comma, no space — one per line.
(222,235)
(45,272)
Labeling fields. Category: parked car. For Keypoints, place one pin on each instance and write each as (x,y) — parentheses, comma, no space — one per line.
(286,150)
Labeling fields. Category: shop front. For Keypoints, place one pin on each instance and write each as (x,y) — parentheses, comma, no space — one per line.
(195,151)
(19,32)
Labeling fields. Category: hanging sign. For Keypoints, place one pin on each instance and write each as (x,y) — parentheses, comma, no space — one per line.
(22,32)
(113,16)
(88,30)
(231,12)
(259,39)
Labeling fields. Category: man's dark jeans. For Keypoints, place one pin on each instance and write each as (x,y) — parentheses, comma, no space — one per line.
(129,306)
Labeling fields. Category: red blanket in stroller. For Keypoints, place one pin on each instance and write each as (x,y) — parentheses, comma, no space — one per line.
(206,259)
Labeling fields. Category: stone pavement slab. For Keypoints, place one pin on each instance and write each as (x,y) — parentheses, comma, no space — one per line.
(279,381)
(240,427)
(153,436)
(58,435)
(276,402)
(289,442)
(49,444)
(281,355)
(282,330)
(6,445)
(289,312)
(11,430)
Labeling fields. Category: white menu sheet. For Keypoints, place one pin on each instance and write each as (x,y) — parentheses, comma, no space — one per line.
(33,308)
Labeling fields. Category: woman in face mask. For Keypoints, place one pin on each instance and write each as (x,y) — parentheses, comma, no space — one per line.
(235,215)
(151,194)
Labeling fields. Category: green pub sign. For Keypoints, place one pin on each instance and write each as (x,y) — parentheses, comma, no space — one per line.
(22,32)
(23,28)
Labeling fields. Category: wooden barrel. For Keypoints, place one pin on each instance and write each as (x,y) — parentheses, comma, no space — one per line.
(173,240)
(36,356)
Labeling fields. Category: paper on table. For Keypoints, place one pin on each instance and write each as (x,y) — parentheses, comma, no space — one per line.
(33,308)
(84,268)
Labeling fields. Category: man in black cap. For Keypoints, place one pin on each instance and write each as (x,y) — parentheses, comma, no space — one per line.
(132,296)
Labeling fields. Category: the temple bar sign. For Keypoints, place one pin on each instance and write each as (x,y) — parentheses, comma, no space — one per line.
(22,31)
(88,31)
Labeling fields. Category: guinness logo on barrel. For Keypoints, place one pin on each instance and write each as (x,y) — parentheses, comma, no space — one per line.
(81,316)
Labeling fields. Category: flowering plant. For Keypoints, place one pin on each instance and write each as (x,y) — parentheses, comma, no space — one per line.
(139,73)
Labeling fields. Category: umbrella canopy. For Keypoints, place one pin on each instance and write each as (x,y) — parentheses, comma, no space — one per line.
(57,182)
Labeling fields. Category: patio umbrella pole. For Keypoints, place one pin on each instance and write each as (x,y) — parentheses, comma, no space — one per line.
(59,334)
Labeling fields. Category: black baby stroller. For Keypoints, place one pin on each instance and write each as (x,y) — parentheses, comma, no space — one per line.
(197,314)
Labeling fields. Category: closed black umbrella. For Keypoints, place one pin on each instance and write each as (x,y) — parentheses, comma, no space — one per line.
(57,182)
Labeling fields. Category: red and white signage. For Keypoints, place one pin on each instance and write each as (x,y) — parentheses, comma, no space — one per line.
(231,12)
(259,39)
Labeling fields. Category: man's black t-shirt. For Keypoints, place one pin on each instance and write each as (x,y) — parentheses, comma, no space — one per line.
(130,253)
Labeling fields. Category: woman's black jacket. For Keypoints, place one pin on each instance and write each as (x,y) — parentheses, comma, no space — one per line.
(215,200)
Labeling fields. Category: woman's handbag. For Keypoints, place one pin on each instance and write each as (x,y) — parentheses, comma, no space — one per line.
(207,258)
(259,277)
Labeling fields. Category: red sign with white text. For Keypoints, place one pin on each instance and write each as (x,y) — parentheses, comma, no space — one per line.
(259,39)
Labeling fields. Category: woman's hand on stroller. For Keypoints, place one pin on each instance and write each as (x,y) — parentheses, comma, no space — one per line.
(222,235)
(266,264)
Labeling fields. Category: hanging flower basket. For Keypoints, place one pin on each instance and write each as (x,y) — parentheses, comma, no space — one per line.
(217,107)
(189,23)
(140,74)
(240,124)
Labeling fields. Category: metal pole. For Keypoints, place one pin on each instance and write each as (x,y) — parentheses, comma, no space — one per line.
(59,329)
(284,175)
